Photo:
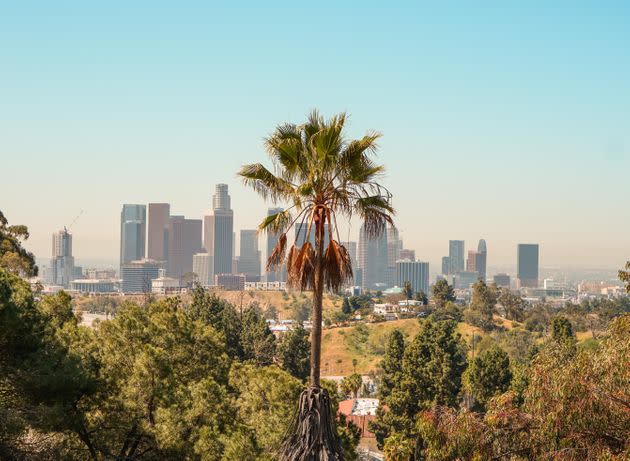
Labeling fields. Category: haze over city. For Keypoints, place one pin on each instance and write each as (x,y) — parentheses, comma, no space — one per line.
(512,127)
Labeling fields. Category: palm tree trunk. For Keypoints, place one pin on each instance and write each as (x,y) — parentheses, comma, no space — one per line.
(316,330)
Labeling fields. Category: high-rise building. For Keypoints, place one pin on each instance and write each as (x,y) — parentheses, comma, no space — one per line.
(351,247)
(527,262)
(463,280)
(372,256)
(219,231)
(62,262)
(446,265)
(408,254)
(249,258)
(502,280)
(202,266)
(133,228)
(184,241)
(414,272)
(482,259)
(394,245)
(456,256)
(157,234)
(280,274)
(137,275)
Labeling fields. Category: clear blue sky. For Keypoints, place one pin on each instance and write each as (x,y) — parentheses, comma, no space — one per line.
(500,120)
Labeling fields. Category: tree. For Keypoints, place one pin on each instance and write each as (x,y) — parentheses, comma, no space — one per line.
(346,308)
(407,290)
(351,385)
(294,352)
(561,330)
(432,368)
(482,306)
(13,256)
(488,375)
(398,448)
(422,297)
(513,304)
(391,365)
(624,276)
(257,341)
(322,176)
(442,293)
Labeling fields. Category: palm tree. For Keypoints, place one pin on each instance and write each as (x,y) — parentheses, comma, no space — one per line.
(321,177)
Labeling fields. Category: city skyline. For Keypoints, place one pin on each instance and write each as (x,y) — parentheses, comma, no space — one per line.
(515,102)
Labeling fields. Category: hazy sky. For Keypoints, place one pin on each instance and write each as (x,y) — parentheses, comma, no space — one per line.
(500,120)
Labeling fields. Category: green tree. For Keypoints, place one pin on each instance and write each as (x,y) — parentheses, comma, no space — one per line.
(294,352)
(513,304)
(398,448)
(351,385)
(488,375)
(482,306)
(561,330)
(346,308)
(13,256)
(391,365)
(407,289)
(442,293)
(422,297)
(323,176)
(624,276)
(257,341)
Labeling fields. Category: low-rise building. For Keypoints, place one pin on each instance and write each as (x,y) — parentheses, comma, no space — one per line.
(165,285)
(230,281)
(93,286)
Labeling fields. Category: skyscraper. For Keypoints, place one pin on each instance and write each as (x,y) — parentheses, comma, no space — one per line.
(352,251)
(393,254)
(202,266)
(414,272)
(219,231)
(133,227)
(372,257)
(527,262)
(408,254)
(446,265)
(482,259)
(280,274)
(157,234)
(249,257)
(184,241)
(456,256)
(62,262)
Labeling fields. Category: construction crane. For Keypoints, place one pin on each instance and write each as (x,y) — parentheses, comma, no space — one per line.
(73,221)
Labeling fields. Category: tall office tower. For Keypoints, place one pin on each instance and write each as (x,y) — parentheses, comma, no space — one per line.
(527,262)
(249,258)
(393,254)
(184,241)
(471,261)
(482,259)
(414,272)
(372,256)
(280,274)
(408,254)
(446,265)
(62,262)
(218,234)
(456,256)
(202,266)
(157,234)
(133,228)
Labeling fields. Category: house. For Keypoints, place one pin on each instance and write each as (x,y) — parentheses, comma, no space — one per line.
(360,412)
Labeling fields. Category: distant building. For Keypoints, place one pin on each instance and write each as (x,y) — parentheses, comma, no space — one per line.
(502,280)
(218,234)
(249,257)
(137,275)
(184,241)
(102,274)
(360,412)
(408,254)
(90,286)
(476,263)
(463,280)
(372,259)
(482,259)
(62,261)
(230,281)
(415,272)
(527,263)
(266,286)
(165,285)
(133,227)
(157,234)
(279,274)
(446,265)
(203,267)
(394,245)
(352,251)
(456,256)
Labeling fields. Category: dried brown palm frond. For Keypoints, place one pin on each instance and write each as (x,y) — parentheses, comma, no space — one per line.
(277,256)
(338,266)
(301,268)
